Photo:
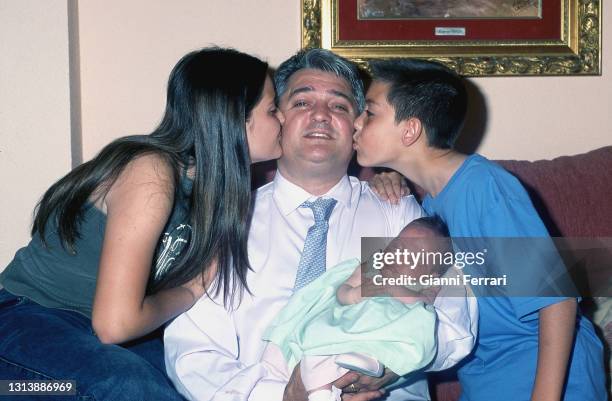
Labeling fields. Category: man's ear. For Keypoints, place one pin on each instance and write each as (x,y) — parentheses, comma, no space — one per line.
(412,129)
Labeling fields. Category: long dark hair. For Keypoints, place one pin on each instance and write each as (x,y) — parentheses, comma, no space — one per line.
(211,93)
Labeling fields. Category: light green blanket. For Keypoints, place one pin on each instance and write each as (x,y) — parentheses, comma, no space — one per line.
(401,336)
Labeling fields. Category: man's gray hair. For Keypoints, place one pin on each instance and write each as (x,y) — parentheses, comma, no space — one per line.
(323,60)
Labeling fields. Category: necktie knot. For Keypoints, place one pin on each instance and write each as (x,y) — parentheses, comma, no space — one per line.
(321,208)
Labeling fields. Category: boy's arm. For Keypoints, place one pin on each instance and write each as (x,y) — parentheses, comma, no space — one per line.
(557,328)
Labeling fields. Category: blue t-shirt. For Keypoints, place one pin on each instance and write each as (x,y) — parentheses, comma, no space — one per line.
(483,200)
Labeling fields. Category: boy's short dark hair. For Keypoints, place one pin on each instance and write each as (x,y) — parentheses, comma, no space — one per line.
(428,91)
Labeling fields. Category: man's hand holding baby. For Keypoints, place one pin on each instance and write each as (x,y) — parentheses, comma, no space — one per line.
(354,386)
(368,383)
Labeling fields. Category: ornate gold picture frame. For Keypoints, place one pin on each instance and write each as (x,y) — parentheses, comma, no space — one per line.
(564,40)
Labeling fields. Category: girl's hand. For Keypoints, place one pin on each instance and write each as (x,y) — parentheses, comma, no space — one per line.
(197,286)
(389,186)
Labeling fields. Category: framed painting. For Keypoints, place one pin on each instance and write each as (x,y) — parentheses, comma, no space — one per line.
(474,37)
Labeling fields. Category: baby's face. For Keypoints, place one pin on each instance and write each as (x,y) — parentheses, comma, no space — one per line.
(426,249)
(426,269)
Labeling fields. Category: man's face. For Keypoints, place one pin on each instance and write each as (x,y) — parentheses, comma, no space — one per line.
(319,110)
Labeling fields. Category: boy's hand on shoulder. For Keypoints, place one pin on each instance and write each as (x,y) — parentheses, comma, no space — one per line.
(197,286)
(390,186)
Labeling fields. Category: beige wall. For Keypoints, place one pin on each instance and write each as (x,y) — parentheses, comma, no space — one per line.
(532,118)
(127,49)
(34,111)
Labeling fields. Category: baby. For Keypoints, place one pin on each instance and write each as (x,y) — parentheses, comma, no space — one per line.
(339,323)
(427,234)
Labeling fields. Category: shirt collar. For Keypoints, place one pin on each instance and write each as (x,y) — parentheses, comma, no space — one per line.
(289,196)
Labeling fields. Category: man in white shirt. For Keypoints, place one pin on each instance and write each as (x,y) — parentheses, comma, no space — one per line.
(210,350)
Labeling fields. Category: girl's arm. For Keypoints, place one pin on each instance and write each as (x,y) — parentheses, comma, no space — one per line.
(557,326)
(138,206)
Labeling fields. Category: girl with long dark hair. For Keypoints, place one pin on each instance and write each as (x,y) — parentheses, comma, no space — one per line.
(130,239)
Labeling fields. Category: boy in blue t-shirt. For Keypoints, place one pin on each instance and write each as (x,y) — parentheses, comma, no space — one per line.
(529,347)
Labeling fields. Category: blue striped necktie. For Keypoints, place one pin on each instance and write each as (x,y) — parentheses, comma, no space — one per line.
(312,262)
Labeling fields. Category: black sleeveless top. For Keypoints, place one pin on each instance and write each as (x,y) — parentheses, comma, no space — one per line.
(56,278)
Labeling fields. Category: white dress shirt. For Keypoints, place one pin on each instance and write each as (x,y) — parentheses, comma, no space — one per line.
(210,350)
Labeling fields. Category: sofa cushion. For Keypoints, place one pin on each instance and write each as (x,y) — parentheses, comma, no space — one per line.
(573,194)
